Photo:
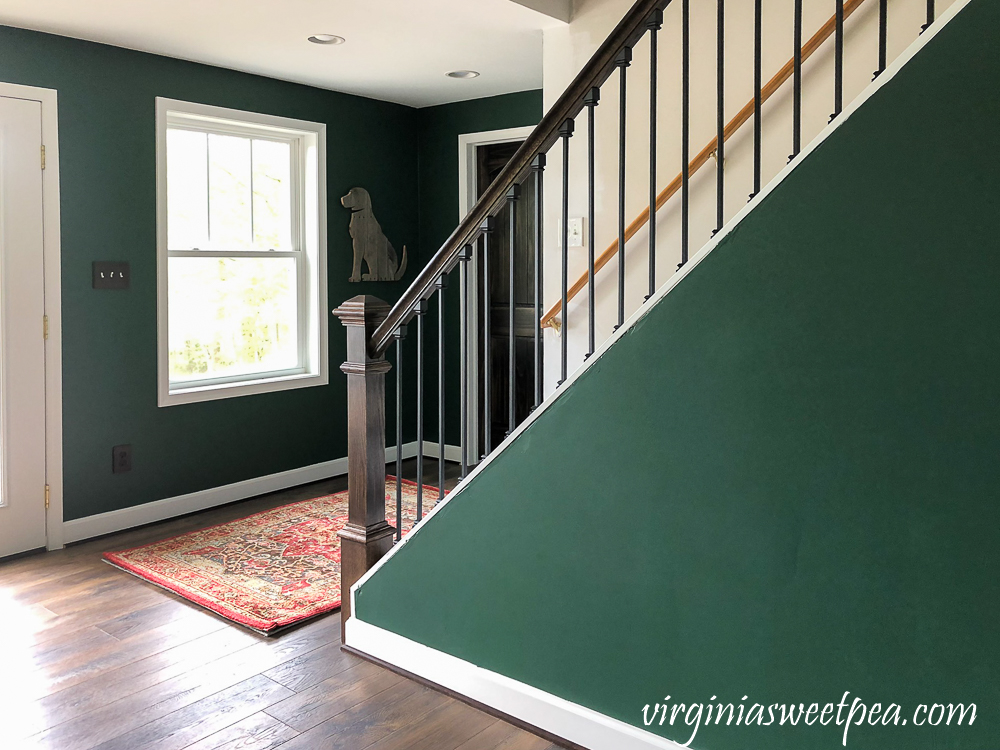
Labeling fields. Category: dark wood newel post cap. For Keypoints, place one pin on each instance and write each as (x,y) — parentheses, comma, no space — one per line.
(363,311)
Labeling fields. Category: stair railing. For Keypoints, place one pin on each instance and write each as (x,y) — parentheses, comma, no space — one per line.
(716,147)
(372,326)
(752,110)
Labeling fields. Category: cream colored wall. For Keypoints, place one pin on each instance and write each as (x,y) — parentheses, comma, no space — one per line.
(566,51)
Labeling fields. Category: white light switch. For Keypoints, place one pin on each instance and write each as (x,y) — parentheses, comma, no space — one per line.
(576,232)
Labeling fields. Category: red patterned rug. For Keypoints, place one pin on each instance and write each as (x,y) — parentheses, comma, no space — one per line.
(266,571)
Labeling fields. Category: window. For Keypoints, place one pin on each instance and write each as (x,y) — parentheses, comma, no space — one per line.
(241,228)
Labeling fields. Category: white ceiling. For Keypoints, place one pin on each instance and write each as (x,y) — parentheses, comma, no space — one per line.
(396,50)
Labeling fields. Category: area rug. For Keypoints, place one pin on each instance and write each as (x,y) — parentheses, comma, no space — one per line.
(267,571)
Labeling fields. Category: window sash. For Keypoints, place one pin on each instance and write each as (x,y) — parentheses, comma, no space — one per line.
(303,297)
(297,191)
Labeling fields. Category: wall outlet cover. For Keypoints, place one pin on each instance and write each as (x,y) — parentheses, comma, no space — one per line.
(121,459)
(111,274)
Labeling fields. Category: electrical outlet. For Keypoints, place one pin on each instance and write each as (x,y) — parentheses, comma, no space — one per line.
(121,459)
(110,274)
(575,232)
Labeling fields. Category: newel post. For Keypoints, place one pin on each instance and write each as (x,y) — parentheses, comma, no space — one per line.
(367,536)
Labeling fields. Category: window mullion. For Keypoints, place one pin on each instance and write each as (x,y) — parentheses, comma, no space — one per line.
(208,186)
(253,229)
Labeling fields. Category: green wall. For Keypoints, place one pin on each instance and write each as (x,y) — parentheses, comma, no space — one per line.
(440,128)
(782,483)
(107,150)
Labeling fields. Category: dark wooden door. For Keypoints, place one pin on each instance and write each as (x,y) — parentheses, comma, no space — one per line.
(490,160)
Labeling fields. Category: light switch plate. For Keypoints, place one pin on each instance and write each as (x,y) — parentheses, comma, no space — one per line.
(111,274)
(576,232)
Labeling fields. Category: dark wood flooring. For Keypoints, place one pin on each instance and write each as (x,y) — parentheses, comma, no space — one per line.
(96,658)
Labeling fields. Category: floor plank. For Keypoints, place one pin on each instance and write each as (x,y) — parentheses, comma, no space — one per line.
(180,729)
(403,705)
(257,732)
(331,697)
(503,736)
(449,725)
(312,668)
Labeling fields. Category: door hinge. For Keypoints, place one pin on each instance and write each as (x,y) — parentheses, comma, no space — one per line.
(46,497)
(45,327)
(43,157)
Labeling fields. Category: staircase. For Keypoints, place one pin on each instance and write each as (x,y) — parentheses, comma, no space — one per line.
(777,477)
(686,333)
(375,329)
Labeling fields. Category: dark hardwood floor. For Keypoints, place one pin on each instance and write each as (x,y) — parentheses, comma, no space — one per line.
(96,658)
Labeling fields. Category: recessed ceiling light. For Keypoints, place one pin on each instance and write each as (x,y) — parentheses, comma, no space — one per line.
(463,74)
(326,39)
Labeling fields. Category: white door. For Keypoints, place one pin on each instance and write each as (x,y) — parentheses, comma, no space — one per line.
(22,348)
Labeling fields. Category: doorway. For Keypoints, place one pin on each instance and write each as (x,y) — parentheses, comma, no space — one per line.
(469,191)
(490,161)
(24,330)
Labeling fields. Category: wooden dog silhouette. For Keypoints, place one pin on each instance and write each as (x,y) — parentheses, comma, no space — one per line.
(370,244)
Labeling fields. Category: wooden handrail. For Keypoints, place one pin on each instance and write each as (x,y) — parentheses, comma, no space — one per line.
(814,43)
(631,28)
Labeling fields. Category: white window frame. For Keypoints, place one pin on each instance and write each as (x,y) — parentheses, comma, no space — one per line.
(308,140)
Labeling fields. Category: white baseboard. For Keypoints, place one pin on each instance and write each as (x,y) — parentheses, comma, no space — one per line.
(451,452)
(545,711)
(171,507)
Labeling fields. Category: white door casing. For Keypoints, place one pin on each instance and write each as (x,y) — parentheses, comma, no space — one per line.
(468,182)
(22,346)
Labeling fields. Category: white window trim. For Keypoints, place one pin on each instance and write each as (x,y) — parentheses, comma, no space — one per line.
(315,331)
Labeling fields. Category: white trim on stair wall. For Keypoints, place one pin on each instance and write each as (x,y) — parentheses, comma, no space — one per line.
(480,684)
(171,507)
(566,720)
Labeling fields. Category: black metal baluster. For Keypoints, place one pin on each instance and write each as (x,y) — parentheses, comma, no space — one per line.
(685,130)
(757,83)
(565,132)
(420,310)
(399,336)
(838,63)
(623,61)
(512,197)
(883,36)
(591,101)
(538,167)
(654,24)
(930,16)
(797,84)
(487,229)
(720,124)
(463,272)
(441,284)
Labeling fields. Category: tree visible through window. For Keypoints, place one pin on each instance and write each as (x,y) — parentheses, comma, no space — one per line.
(240,274)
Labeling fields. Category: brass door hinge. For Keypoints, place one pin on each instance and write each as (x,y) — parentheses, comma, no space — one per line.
(45,327)
(46,497)
(43,157)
